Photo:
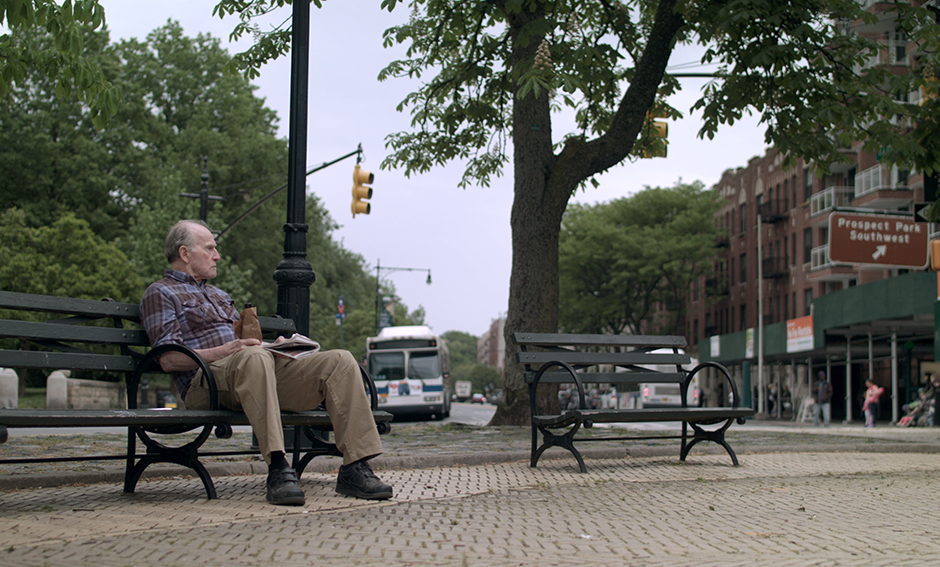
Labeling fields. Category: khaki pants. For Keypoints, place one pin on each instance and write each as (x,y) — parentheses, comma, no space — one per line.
(261,385)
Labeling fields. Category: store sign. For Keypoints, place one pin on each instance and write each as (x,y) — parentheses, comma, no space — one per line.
(800,334)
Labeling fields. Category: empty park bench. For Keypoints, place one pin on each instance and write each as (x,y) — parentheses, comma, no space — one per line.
(59,333)
(618,359)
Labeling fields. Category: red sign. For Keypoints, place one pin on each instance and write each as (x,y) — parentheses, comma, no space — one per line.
(877,239)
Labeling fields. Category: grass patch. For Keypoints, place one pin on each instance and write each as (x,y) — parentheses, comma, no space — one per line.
(33,398)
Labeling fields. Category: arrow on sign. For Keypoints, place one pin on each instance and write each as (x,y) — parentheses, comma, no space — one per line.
(879,252)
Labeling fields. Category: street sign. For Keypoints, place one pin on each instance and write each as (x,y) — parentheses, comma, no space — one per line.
(920,210)
(885,240)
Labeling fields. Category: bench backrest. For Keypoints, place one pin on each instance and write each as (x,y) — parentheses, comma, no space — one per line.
(65,342)
(603,359)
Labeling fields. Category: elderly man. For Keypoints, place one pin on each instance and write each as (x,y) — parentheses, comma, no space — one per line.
(184,309)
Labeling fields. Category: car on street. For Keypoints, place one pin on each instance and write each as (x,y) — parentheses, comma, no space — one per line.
(478,399)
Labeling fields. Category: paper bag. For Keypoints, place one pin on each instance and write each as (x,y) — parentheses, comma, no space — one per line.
(248,326)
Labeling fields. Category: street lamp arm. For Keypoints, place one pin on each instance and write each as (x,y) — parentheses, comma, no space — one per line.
(378,278)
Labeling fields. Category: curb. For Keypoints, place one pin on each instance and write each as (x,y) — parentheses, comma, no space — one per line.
(331,464)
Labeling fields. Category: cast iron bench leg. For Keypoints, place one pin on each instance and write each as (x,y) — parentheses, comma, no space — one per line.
(186,456)
(716,436)
(565,441)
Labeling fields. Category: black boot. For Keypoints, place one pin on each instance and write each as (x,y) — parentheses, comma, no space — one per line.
(357,479)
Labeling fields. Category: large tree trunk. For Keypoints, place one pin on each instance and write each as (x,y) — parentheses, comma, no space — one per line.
(543,184)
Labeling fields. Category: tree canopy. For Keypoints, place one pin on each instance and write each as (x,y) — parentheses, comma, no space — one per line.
(628,266)
(60,53)
(62,182)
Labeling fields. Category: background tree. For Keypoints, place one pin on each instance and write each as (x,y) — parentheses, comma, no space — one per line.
(61,60)
(124,182)
(464,366)
(623,264)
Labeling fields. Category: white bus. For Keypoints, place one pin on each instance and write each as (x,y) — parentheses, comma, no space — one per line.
(669,395)
(411,369)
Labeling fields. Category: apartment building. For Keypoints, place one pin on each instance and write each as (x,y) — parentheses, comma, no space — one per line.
(785,269)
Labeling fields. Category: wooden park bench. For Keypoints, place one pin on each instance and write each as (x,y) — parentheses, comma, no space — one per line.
(618,359)
(74,335)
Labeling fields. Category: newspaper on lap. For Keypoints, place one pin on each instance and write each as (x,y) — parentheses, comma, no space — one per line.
(296,347)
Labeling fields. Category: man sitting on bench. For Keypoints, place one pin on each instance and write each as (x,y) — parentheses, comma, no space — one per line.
(184,309)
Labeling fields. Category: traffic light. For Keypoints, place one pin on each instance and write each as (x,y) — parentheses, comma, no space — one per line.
(935,254)
(360,192)
(655,139)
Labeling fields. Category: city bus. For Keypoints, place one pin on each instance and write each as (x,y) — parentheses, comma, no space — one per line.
(411,369)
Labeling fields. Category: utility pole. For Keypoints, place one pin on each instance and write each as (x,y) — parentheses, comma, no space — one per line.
(203,195)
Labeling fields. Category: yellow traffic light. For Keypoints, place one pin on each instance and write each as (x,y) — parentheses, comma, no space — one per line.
(935,254)
(360,192)
(655,141)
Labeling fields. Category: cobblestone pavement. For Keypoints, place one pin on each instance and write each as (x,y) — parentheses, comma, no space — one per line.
(832,502)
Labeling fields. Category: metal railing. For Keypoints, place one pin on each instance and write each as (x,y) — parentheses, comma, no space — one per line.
(829,198)
(820,258)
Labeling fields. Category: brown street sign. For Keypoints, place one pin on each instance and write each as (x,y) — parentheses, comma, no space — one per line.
(885,240)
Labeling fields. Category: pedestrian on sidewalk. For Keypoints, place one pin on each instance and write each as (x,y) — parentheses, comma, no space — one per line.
(184,309)
(870,407)
(822,397)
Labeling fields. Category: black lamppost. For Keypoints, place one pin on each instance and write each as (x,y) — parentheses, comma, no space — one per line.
(294,274)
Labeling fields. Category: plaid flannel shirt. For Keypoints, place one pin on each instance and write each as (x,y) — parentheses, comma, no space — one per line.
(180,310)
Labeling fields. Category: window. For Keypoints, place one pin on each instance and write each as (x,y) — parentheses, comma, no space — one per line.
(785,195)
(850,178)
(785,251)
(794,305)
(793,186)
(808,301)
(743,311)
(786,309)
(743,218)
(743,267)
(807,246)
(807,185)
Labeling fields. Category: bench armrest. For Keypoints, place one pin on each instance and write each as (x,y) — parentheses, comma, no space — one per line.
(152,359)
(582,404)
(735,397)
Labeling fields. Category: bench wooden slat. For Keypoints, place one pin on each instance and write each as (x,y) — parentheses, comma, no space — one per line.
(30,330)
(593,358)
(551,339)
(609,377)
(67,360)
(645,415)
(68,305)
(277,325)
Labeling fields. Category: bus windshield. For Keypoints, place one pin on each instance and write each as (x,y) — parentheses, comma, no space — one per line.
(388,366)
(424,366)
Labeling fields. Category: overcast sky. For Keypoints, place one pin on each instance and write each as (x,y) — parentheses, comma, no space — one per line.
(425,222)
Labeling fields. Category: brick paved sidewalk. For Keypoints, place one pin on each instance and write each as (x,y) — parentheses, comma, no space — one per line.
(810,508)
